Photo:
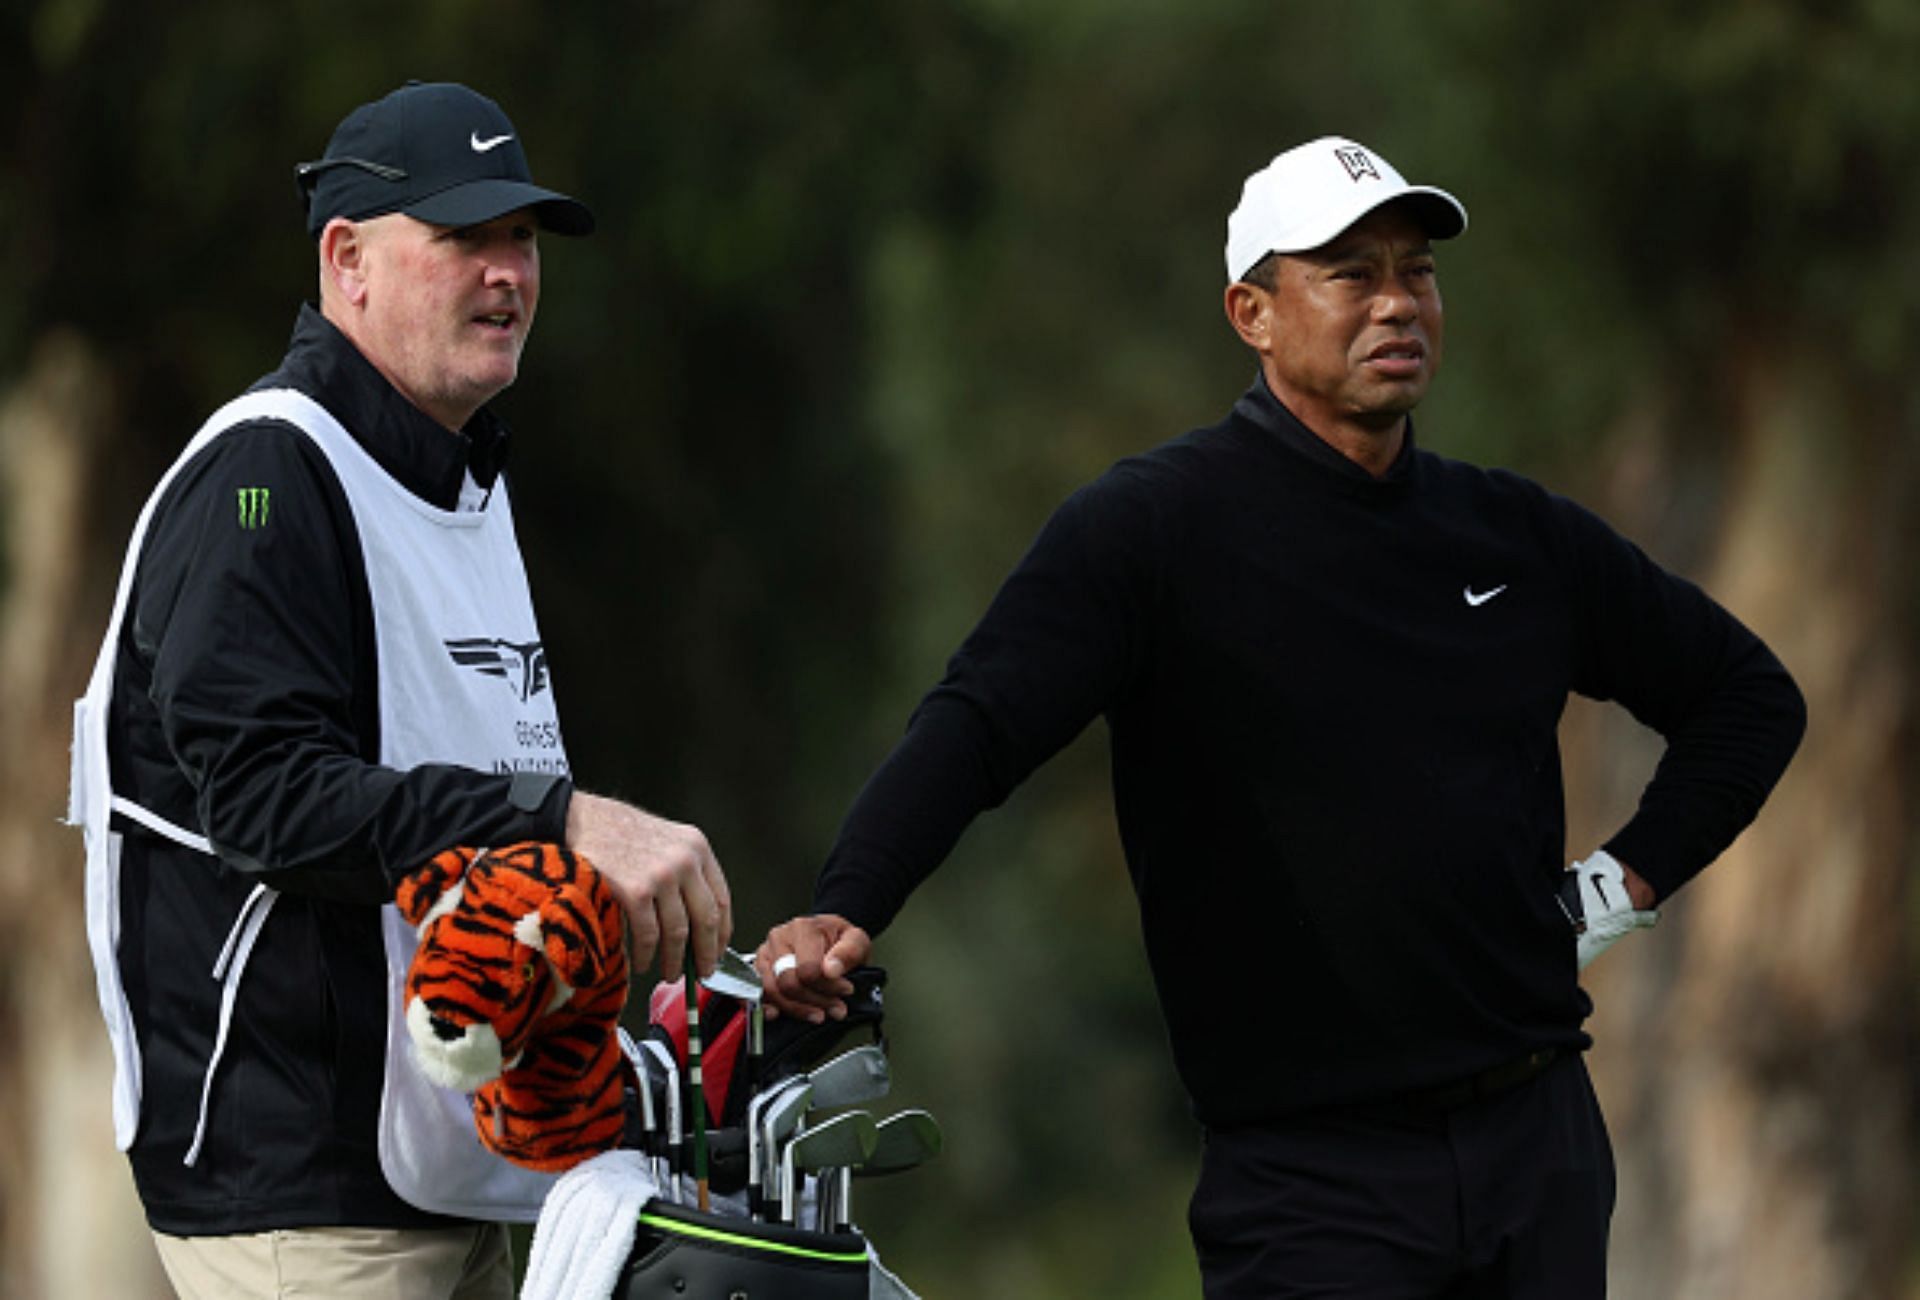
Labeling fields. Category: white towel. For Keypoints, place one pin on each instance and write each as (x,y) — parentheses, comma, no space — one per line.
(586,1228)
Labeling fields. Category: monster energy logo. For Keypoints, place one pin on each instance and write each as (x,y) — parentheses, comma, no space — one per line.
(253,507)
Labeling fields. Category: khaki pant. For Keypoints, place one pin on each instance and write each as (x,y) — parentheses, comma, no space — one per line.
(468,1263)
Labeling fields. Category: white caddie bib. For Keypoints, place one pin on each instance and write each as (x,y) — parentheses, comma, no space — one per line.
(462,680)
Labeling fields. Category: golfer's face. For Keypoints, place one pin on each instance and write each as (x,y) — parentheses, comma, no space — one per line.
(1357,324)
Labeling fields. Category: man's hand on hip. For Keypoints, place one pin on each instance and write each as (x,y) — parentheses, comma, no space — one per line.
(1605,900)
(666,877)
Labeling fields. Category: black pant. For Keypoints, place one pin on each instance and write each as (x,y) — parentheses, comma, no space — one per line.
(1504,1198)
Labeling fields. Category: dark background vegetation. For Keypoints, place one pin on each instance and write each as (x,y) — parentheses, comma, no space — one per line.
(875,286)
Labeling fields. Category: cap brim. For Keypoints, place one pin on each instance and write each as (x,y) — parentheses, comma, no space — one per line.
(479,201)
(1438,212)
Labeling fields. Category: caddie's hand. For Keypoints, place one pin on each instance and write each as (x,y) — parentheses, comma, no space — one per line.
(666,877)
(1605,900)
(803,966)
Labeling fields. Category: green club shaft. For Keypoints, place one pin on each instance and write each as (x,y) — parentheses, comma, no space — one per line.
(696,1093)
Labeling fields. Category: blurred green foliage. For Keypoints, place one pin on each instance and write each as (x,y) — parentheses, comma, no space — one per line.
(875,286)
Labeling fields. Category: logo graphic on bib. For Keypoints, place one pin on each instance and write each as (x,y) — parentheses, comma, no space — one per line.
(522,665)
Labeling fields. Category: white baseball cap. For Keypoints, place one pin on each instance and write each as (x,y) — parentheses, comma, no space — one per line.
(1312,192)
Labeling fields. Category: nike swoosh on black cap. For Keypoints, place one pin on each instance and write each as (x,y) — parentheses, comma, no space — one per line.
(418,151)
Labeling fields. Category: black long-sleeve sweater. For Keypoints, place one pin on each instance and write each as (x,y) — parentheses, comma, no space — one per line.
(1333,703)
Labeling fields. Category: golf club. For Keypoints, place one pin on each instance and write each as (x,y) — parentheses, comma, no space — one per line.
(844,1140)
(851,1078)
(696,1092)
(779,1118)
(642,1063)
(735,977)
(901,1142)
(756,1203)
(670,1071)
(904,1141)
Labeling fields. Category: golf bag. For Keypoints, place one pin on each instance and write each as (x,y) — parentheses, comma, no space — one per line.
(682,1254)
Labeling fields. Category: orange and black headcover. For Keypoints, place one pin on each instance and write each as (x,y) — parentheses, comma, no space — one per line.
(515,995)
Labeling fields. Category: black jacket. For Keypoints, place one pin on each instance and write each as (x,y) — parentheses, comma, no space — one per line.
(245,707)
(1334,704)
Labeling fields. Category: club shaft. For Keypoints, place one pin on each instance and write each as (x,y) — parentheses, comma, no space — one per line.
(696,1096)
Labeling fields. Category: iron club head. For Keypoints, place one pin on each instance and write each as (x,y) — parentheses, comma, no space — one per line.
(734,977)
(904,1141)
(851,1078)
(845,1141)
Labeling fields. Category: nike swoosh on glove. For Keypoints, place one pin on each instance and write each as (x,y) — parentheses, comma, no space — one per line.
(1594,896)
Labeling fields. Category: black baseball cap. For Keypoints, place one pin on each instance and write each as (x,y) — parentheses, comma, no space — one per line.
(436,151)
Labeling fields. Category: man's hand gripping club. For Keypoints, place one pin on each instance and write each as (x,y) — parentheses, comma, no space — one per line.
(666,877)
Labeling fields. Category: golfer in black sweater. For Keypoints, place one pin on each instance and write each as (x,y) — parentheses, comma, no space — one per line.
(1333,666)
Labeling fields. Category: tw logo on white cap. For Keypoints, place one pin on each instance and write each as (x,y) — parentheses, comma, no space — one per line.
(1357,161)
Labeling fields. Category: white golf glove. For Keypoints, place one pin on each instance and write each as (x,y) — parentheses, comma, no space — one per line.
(1594,896)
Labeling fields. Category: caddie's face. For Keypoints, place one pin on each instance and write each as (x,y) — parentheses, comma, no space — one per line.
(448,308)
(1356,325)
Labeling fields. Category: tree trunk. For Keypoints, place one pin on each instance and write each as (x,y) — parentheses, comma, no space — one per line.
(1755,1050)
(70,1224)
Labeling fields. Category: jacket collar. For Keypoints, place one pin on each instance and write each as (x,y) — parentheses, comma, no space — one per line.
(420,454)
